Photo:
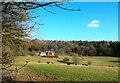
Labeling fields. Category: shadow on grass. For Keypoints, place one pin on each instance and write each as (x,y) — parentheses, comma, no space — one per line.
(115,61)
(64,62)
(60,61)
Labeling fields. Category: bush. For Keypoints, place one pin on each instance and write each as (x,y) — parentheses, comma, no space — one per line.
(71,54)
(89,62)
(32,53)
(65,60)
(56,56)
(75,59)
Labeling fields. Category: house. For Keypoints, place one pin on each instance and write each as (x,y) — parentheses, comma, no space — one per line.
(47,53)
(42,53)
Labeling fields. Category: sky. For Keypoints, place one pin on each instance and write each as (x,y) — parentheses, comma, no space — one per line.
(95,22)
(95,0)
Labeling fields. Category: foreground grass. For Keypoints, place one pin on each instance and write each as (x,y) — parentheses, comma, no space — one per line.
(98,71)
(75,73)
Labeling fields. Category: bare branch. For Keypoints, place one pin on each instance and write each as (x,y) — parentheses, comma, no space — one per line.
(66,8)
(48,10)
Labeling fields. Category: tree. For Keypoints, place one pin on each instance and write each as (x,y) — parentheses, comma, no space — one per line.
(12,31)
(17,22)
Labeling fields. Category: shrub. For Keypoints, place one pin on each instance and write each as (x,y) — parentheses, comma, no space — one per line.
(89,62)
(32,53)
(71,54)
(75,59)
(56,56)
(65,60)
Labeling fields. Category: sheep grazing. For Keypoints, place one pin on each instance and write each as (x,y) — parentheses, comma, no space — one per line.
(39,62)
(85,64)
(110,66)
(26,61)
(68,63)
(48,62)
(52,62)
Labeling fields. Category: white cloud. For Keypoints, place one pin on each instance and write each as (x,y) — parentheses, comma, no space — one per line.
(61,37)
(94,23)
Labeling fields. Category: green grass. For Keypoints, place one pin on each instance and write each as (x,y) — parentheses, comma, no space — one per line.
(98,71)
(75,73)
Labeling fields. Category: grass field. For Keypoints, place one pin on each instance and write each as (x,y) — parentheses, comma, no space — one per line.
(59,71)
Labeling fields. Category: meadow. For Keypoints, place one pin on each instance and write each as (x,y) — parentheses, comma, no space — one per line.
(99,70)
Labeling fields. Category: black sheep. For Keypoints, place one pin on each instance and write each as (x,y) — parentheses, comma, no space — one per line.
(26,61)
(68,63)
(39,62)
(48,62)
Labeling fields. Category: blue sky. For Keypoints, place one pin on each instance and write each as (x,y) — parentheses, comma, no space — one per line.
(96,0)
(95,22)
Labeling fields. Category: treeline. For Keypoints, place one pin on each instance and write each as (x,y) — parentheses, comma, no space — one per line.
(85,48)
